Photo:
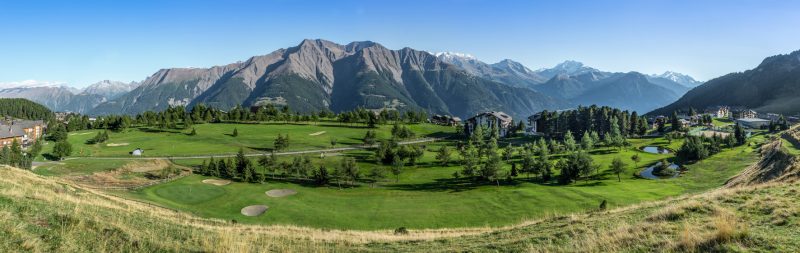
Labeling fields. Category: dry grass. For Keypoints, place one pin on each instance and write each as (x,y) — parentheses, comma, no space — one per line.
(46,214)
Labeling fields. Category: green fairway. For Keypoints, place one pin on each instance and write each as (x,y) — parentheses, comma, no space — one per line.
(721,122)
(427,196)
(216,139)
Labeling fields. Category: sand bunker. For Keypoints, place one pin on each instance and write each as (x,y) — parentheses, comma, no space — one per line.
(217,182)
(317,133)
(80,133)
(255,210)
(277,193)
(117,144)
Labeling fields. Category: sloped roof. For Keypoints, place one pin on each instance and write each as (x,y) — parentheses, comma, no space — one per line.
(8,131)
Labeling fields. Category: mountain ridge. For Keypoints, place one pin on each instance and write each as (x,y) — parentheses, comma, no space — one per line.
(319,74)
(772,86)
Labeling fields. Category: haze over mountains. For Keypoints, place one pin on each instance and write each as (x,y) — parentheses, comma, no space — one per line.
(582,85)
(773,86)
(64,98)
(319,74)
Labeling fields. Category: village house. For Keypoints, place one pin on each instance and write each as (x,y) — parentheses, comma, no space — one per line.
(533,125)
(684,123)
(445,120)
(741,113)
(499,120)
(26,132)
(718,111)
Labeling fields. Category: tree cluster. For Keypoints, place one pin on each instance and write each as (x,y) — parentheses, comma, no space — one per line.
(591,119)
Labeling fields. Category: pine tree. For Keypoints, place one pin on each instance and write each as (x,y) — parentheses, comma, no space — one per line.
(235,132)
(444,155)
(569,141)
(586,141)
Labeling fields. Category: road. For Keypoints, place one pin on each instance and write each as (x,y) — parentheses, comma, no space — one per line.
(316,151)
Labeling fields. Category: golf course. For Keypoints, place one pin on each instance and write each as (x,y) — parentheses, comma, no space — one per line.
(425,195)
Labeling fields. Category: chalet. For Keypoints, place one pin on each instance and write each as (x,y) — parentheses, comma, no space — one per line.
(445,120)
(533,124)
(718,111)
(10,133)
(743,114)
(685,123)
(26,132)
(771,117)
(499,120)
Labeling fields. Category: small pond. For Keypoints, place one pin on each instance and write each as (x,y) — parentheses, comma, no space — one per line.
(648,172)
(655,150)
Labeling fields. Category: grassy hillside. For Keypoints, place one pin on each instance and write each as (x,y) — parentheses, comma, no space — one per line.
(48,214)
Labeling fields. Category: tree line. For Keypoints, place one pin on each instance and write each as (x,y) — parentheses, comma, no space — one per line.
(602,120)
(24,109)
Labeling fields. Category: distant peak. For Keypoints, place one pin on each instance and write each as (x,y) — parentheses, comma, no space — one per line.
(450,55)
(568,64)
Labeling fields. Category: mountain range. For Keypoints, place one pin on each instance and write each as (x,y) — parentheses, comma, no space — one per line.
(579,84)
(67,99)
(319,74)
(773,86)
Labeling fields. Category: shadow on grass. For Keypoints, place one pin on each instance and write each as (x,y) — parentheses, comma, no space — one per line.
(156,130)
(441,185)
(50,157)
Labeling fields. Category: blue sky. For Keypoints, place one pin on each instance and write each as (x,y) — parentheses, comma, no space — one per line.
(81,42)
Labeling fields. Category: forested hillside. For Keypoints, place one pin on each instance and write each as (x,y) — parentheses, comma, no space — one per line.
(23,109)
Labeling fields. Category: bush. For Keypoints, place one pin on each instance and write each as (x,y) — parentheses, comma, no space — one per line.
(401,231)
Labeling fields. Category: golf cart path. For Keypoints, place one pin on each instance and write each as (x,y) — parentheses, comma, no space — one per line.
(300,152)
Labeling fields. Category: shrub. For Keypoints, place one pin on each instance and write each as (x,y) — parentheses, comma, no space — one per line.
(401,231)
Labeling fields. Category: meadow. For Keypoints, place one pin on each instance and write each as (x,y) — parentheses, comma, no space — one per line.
(427,196)
(218,139)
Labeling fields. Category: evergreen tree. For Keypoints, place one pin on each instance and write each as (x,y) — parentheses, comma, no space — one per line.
(235,132)
(444,155)
(241,163)
(508,152)
(470,160)
(586,141)
(491,167)
(321,176)
(739,134)
(350,169)
(212,168)
(370,138)
(675,121)
(569,141)
(376,174)
(248,174)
